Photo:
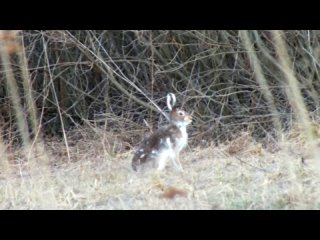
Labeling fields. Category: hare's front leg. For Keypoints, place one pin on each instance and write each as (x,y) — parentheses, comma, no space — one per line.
(176,163)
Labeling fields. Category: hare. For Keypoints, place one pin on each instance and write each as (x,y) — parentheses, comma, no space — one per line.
(167,142)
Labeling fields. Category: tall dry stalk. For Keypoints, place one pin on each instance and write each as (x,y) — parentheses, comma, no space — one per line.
(262,81)
(12,87)
(294,93)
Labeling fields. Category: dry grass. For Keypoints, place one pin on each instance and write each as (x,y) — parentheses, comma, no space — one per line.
(214,178)
(91,168)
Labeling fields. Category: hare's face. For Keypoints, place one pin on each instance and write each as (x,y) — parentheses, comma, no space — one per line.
(180,117)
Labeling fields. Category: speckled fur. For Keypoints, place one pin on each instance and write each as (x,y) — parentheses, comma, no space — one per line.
(164,144)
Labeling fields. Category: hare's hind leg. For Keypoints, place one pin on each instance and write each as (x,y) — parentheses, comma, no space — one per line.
(166,154)
(174,159)
(163,159)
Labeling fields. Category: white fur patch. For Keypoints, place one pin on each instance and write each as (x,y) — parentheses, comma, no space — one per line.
(165,154)
(182,142)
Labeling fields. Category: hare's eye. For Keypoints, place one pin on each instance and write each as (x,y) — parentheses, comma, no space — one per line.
(180,113)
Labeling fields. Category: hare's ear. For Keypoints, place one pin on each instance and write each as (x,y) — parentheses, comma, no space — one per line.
(171,97)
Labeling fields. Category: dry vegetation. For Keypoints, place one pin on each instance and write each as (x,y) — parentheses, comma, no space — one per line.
(74,104)
(238,175)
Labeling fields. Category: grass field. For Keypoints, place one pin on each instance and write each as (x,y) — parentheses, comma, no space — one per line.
(241,174)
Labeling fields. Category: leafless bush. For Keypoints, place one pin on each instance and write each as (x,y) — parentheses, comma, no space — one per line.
(102,76)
